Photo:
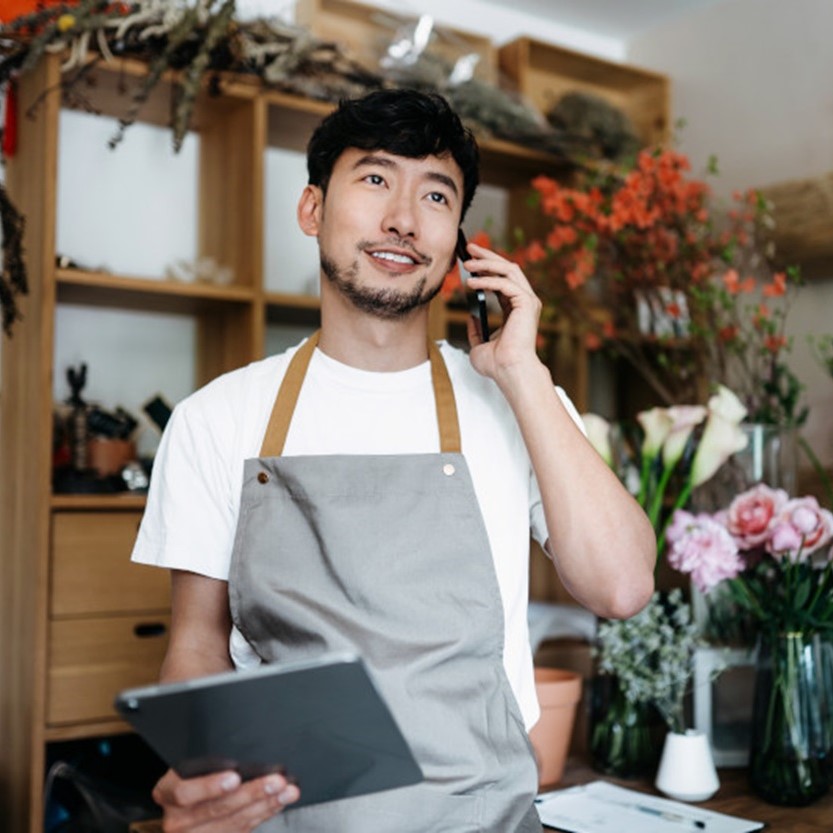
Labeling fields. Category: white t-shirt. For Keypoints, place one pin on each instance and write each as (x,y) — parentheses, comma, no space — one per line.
(191,514)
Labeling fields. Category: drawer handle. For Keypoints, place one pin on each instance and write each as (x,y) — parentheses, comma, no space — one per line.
(148,630)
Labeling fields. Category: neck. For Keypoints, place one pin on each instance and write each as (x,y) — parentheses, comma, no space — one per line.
(361,340)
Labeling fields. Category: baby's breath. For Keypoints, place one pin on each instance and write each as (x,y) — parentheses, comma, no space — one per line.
(651,654)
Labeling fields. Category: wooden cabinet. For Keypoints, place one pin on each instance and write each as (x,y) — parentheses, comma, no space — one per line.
(77,620)
(108,618)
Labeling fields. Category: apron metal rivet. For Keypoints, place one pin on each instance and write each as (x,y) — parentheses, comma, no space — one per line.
(448,469)
(263,477)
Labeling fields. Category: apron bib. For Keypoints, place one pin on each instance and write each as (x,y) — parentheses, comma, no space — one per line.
(387,556)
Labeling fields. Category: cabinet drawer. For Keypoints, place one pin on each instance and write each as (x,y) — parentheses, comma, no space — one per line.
(90,660)
(91,567)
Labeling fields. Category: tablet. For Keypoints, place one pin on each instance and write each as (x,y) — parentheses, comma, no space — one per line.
(321,722)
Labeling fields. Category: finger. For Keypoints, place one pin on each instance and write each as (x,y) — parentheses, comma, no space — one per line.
(243,820)
(473,331)
(488,253)
(502,287)
(507,274)
(253,802)
(172,790)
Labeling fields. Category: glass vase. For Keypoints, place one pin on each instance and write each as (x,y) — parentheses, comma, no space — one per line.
(624,736)
(792,719)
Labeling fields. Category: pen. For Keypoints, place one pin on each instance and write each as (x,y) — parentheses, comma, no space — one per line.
(698,824)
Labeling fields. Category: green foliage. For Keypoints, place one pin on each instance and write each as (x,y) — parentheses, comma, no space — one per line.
(786,597)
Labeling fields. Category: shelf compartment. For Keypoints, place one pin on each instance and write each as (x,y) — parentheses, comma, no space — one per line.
(543,72)
(229,327)
(293,310)
(367,31)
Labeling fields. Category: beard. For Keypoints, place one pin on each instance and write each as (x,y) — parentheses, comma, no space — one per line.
(387,303)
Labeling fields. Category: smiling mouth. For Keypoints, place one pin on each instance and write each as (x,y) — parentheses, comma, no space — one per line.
(393,257)
(394,252)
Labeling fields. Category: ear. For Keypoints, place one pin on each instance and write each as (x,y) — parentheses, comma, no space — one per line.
(310,207)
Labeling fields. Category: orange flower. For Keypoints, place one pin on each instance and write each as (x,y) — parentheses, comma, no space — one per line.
(482,238)
(775,343)
(535,252)
(561,237)
(592,341)
(574,279)
(451,283)
(731,280)
(778,286)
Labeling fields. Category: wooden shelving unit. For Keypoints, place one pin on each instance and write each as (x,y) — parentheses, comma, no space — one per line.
(78,621)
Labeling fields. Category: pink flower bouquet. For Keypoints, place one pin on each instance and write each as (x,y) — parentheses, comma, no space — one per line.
(772,551)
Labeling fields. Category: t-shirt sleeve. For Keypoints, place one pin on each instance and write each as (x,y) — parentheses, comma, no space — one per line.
(190,518)
(537,522)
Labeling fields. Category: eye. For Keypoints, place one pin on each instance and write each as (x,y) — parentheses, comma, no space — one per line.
(374,179)
(438,197)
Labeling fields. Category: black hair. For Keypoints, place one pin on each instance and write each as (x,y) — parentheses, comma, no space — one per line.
(403,122)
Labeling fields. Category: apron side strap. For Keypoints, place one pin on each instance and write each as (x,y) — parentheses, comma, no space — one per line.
(449,424)
(276,431)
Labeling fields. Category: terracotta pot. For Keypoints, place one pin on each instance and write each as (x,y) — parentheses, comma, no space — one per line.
(108,456)
(559,692)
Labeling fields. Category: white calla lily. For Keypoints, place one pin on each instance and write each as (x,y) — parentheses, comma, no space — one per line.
(721,439)
(656,423)
(598,433)
(727,404)
(685,418)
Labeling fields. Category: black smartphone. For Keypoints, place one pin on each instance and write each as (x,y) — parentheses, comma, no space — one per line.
(477,298)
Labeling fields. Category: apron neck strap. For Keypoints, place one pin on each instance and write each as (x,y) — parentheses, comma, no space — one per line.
(276,431)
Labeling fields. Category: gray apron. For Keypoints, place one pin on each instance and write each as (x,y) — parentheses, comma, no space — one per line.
(387,556)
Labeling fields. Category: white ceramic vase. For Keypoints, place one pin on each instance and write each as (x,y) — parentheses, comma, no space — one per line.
(686,770)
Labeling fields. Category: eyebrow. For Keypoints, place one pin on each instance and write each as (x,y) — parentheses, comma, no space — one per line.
(385,162)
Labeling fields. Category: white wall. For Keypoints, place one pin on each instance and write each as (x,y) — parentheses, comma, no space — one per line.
(752,78)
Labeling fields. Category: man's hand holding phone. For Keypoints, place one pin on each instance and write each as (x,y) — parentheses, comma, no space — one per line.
(513,345)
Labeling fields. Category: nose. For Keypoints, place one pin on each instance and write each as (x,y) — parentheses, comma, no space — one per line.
(400,216)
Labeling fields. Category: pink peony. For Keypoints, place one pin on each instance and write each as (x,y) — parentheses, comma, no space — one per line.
(750,515)
(800,528)
(704,548)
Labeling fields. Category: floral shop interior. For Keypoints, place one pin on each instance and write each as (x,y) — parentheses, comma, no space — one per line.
(661,174)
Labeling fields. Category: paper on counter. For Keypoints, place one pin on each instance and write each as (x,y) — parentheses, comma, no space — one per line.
(600,807)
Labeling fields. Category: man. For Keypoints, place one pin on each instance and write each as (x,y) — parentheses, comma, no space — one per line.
(388,492)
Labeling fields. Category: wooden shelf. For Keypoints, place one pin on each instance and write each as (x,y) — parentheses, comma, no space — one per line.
(77,731)
(76,286)
(293,301)
(111,85)
(103,502)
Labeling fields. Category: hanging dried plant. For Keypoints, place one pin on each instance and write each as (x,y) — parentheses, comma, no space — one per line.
(13,276)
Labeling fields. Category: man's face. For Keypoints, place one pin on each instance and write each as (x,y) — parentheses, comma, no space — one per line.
(387,228)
